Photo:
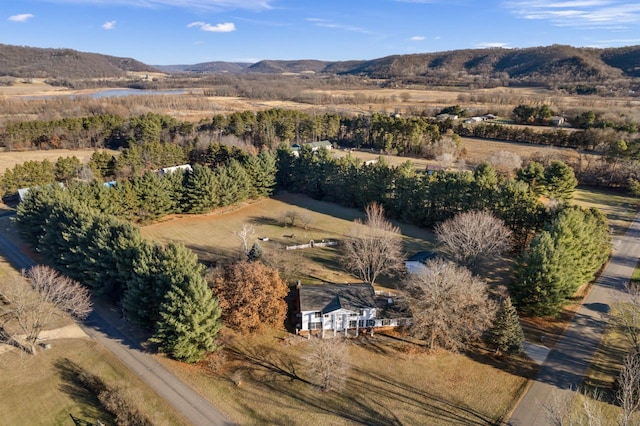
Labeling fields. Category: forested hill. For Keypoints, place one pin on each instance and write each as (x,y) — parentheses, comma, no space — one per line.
(563,63)
(32,62)
(557,64)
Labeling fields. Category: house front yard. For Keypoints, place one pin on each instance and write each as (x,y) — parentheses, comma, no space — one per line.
(263,380)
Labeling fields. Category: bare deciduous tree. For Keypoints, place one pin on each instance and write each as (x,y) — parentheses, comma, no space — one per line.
(474,235)
(625,314)
(246,236)
(36,299)
(449,305)
(628,394)
(374,247)
(289,216)
(573,408)
(328,361)
(505,162)
(305,219)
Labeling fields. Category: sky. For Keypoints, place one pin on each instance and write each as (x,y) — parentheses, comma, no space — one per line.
(170,32)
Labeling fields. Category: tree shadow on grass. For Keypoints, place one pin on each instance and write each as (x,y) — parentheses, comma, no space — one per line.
(265,357)
(87,400)
(367,398)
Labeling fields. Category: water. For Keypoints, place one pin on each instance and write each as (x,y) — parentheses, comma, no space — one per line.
(129,92)
(110,93)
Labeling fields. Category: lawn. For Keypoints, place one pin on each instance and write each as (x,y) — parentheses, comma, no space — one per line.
(619,207)
(390,381)
(42,390)
(212,236)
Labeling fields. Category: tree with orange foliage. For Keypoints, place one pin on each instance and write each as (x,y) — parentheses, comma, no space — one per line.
(251,296)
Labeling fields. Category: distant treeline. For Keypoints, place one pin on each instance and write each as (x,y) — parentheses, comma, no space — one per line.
(152,141)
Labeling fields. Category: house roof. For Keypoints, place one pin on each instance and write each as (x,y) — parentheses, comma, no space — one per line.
(331,297)
(422,256)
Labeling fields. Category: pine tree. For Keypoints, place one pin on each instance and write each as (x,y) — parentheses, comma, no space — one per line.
(542,278)
(256,252)
(559,181)
(189,321)
(201,190)
(506,334)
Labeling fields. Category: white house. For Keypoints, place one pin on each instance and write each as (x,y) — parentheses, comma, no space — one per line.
(337,308)
(182,168)
(315,146)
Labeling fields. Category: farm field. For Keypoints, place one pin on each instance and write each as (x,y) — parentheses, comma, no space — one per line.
(390,381)
(478,150)
(11,158)
(212,236)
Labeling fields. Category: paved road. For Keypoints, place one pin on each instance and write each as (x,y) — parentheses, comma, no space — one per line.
(567,363)
(115,335)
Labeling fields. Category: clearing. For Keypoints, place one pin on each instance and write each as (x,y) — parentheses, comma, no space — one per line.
(212,236)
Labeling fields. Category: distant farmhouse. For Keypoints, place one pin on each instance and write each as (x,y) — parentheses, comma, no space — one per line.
(23,192)
(315,146)
(169,170)
(329,309)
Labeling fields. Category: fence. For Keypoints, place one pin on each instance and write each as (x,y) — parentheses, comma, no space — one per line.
(313,244)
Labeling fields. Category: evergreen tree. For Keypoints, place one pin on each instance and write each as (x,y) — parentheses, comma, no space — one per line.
(256,252)
(201,190)
(542,278)
(559,181)
(533,174)
(156,270)
(154,197)
(189,321)
(261,170)
(506,335)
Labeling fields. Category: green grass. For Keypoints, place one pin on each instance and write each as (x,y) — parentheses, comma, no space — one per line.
(389,382)
(620,208)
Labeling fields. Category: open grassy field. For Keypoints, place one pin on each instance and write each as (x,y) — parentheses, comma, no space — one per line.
(42,389)
(10,159)
(478,150)
(390,381)
(619,207)
(212,236)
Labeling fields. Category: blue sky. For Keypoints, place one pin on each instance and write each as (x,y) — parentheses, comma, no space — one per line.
(163,32)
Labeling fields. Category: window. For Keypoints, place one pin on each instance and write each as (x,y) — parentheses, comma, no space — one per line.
(352,324)
(317,315)
(315,325)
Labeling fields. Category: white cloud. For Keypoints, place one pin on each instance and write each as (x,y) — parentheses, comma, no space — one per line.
(23,17)
(490,44)
(323,23)
(587,14)
(226,27)
(417,38)
(109,25)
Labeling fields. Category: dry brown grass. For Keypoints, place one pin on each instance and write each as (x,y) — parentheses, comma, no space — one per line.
(10,159)
(390,381)
(212,237)
(41,390)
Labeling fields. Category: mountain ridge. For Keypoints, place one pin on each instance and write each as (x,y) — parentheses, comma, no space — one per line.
(534,64)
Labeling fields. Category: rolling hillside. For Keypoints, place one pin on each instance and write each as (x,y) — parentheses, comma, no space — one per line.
(31,62)
(536,65)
